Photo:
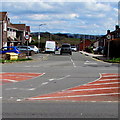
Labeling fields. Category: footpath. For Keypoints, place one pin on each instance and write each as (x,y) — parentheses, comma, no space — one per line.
(98,57)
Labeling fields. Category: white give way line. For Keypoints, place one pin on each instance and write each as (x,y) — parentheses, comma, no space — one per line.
(59,78)
(44,83)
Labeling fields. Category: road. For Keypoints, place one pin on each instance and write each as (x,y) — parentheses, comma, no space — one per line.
(60,86)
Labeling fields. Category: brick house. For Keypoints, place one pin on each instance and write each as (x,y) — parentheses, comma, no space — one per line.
(12,34)
(3,28)
(114,43)
(111,43)
(22,31)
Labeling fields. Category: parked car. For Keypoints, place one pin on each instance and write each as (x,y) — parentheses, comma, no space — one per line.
(26,49)
(66,48)
(34,48)
(98,50)
(14,49)
(74,48)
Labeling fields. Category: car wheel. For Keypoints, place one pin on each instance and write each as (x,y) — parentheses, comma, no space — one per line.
(32,53)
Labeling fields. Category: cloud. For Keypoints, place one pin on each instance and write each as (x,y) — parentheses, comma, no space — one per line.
(74,17)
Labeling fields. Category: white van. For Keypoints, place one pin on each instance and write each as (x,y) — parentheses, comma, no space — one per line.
(50,46)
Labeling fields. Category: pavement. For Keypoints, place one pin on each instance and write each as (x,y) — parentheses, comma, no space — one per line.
(97,56)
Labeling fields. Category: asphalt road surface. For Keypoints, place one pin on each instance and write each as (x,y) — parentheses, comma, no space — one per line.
(60,86)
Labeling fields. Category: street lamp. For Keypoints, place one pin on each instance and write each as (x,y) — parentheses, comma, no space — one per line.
(39,36)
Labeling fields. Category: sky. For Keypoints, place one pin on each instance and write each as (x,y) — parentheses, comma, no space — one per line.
(64,16)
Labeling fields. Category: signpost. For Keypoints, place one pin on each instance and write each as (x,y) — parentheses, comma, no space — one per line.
(109,38)
(27,39)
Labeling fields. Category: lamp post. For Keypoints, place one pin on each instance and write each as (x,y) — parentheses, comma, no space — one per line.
(39,36)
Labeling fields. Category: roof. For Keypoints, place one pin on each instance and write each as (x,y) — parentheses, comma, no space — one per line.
(3,15)
(11,26)
(20,26)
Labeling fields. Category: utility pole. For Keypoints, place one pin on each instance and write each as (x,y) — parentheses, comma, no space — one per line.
(39,36)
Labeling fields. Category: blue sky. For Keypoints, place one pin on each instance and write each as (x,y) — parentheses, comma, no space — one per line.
(91,17)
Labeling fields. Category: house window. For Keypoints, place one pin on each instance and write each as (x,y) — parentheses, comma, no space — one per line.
(5,26)
(119,35)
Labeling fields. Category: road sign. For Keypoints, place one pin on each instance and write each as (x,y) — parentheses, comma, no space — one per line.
(27,37)
(108,36)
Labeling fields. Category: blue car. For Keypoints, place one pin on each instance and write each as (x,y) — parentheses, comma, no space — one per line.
(4,50)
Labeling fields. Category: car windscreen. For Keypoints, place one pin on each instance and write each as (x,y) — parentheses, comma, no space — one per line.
(65,45)
(5,49)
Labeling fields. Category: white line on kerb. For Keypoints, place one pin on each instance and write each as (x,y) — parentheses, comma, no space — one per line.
(40,98)
(73,62)
(89,63)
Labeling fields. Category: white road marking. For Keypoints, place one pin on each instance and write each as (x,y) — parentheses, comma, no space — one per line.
(44,83)
(87,61)
(103,83)
(106,75)
(32,89)
(95,89)
(40,98)
(63,77)
(109,79)
(90,63)
(9,80)
(73,62)
(51,79)
(27,89)
(18,100)
(111,76)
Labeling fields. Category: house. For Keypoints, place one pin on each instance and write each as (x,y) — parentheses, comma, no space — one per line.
(22,31)
(85,43)
(3,28)
(111,43)
(12,34)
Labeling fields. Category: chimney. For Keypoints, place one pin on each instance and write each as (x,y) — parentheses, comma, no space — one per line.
(116,27)
(108,31)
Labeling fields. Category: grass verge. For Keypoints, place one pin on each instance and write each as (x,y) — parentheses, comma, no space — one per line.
(114,60)
(11,61)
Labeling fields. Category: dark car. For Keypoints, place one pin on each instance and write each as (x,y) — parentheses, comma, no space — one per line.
(4,50)
(66,48)
(26,49)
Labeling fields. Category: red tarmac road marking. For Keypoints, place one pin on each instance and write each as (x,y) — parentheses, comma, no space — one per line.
(16,77)
(98,90)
